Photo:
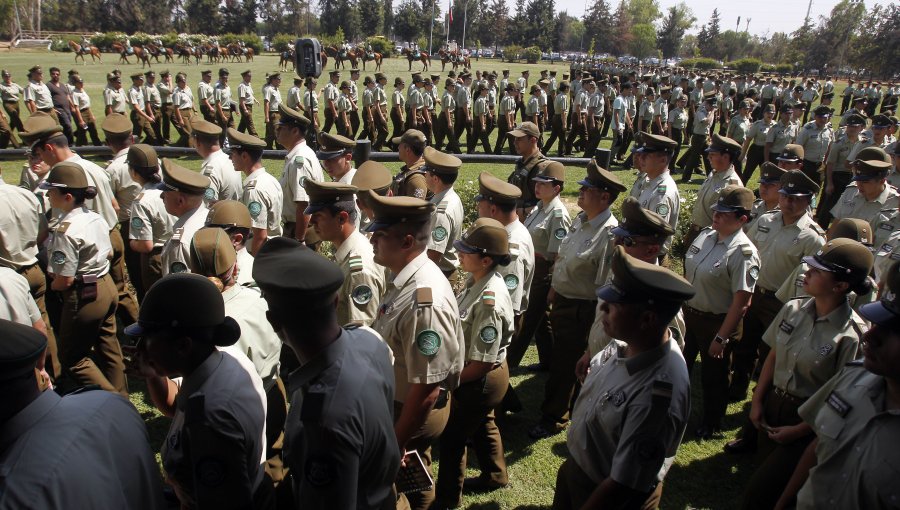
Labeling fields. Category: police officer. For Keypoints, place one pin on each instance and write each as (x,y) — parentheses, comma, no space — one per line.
(816,137)
(336,155)
(486,311)
(420,322)
(869,193)
(206,96)
(781,134)
(838,172)
(37,96)
(301,162)
(333,214)
(723,265)
(444,125)
(844,474)
(246,100)
(331,93)
(548,225)
(150,225)
(641,377)
(374,176)
(525,140)
(224,181)
(182,110)
(182,195)
(506,112)
(580,267)
(769,184)
(753,150)
(78,266)
(10,94)
(351,400)
(271,105)
(219,416)
(97,440)
(704,118)
(410,181)
(115,98)
(233,217)
(141,120)
(721,153)
(167,109)
(262,192)
(398,101)
(655,188)
(441,171)
(153,100)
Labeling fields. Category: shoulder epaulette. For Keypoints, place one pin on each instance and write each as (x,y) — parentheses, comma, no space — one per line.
(423,296)
(489,298)
(355,263)
(62,227)
(747,250)
(819,230)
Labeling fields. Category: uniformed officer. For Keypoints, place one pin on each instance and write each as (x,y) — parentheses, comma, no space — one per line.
(150,225)
(82,115)
(548,225)
(182,195)
(246,100)
(166,90)
(419,319)
(410,181)
(333,215)
(224,181)
(769,184)
(336,154)
(340,445)
(506,112)
(374,176)
(141,120)
(271,105)
(398,100)
(704,118)
(96,440)
(206,96)
(10,94)
(486,311)
(78,266)
(441,171)
(261,191)
(115,98)
(782,238)
(838,172)
(153,105)
(781,134)
(722,153)
(215,450)
(301,162)
(525,139)
(444,124)
(480,126)
(37,96)
(723,265)
(753,150)
(806,352)
(869,193)
(581,266)
(183,110)
(850,466)
(816,137)
(631,412)
(233,217)
(655,188)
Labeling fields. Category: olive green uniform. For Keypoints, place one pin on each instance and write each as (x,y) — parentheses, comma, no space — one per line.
(410,182)
(263,197)
(661,196)
(707,195)
(853,204)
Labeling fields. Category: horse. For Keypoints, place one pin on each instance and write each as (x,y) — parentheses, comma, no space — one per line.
(424,57)
(338,55)
(143,56)
(237,52)
(454,58)
(123,54)
(365,57)
(80,51)
(155,51)
(286,57)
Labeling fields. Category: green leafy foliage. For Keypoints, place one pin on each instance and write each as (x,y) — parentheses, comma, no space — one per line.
(699,63)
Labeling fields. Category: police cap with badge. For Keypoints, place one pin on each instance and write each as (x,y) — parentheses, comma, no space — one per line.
(332,146)
(238,141)
(640,222)
(390,211)
(228,214)
(39,128)
(374,176)
(486,237)
(724,144)
(797,183)
(601,178)
(848,260)
(212,253)
(116,126)
(770,173)
(205,130)
(496,190)
(292,117)
(441,163)
(551,171)
(734,199)
(871,163)
(656,143)
(412,137)
(635,281)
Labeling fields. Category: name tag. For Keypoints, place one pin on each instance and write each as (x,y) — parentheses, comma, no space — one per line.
(764,230)
(839,405)
(786,327)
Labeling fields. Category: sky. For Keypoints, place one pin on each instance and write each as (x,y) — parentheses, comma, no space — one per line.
(766,16)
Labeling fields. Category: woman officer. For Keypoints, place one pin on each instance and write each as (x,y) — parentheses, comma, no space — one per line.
(398,106)
(486,311)
(722,264)
(78,266)
(811,340)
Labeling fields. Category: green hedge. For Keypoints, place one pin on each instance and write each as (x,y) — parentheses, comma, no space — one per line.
(532,54)
(512,53)
(746,65)
(699,63)
(381,45)
(784,68)
(280,41)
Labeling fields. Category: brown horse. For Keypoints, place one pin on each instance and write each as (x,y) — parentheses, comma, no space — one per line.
(80,52)
(238,52)
(155,51)
(366,57)
(286,57)
(142,55)
(424,57)
(454,58)
(335,53)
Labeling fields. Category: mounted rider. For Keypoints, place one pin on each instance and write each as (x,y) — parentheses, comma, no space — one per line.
(85,44)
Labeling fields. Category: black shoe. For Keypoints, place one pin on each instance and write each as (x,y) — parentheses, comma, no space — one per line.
(540,431)
(739,446)
(481,484)
(705,432)
(537,367)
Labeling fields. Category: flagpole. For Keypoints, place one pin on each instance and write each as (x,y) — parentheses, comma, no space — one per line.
(431,32)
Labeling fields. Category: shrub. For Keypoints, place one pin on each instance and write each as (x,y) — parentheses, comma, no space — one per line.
(61,43)
(532,54)
(767,68)
(105,40)
(746,65)
(699,63)
(512,53)
(688,200)
(381,45)
(784,68)
(280,42)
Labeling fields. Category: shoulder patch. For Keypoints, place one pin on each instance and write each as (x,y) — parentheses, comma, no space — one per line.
(299,160)
(58,258)
(489,298)
(557,213)
(815,226)
(178,267)
(439,234)
(511,281)
(488,334)
(428,341)
(255,208)
(423,296)
(662,209)
(320,471)
(559,233)
(250,185)
(137,223)
(361,294)
(209,193)
(62,227)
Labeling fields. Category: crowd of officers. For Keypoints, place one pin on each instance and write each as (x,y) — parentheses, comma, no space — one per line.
(194,281)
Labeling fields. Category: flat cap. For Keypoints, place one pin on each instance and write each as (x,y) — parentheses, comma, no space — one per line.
(496,190)
(185,301)
(855,119)
(392,210)
(849,260)
(636,281)
(724,144)
(823,111)
(867,170)
(881,121)
(441,163)
(637,221)
(599,177)
(292,116)
(141,155)
(792,152)
(228,214)
(20,350)
(286,266)
(852,228)
(374,176)
(179,178)
(332,146)
(551,171)
(525,129)
(39,128)
(412,137)
(238,140)
(796,183)
(323,194)
(770,173)
(202,127)
(212,253)
(656,143)
(66,175)
(116,124)
(137,76)
(734,199)
(485,237)
(886,311)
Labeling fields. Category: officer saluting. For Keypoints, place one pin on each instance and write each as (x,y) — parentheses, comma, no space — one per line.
(340,444)
(631,414)
(419,320)
(183,195)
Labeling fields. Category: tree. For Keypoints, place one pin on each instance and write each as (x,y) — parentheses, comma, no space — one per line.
(598,23)
(371,17)
(518,26)
(679,20)
(644,11)
(540,18)
(801,40)
(733,45)
(203,16)
(643,43)
(621,31)
(407,26)
(388,16)
(876,48)
(835,35)
(498,17)
(708,38)
(235,18)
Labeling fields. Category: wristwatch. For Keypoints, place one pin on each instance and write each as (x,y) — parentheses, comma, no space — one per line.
(720,340)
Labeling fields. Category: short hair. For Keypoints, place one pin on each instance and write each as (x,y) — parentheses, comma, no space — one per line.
(417,229)
(447,179)
(54,69)
(346,206)
(254,153)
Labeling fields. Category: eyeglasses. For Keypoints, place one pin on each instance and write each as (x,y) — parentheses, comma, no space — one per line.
(629,241)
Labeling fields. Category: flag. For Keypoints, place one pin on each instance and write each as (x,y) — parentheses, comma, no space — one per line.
(450,11)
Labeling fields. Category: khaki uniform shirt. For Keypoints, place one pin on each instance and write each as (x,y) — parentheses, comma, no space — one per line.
(121,183)
(708,195)
(224,180)
(448,102)
(780,135)
(560,105)
(630,416)
(759,131)
(11,93)
(419,320)
(152,96)
(273,96)
(548,226)
(661,196)
(136,98)
(183,98)
(176,254)
(738,128)
(98,178)
(854,205)
(857,454)
(222,95)
(258,340)
(245,268)
(793,288)
(300,163)
(16,303)
(838,156)
(446,227)
(701,121)
(486,315)
(79,245)
(207,92)
(782,247)
(149,219)
(718,268)
(887,241)
(678,118)
(263,197)
(310,101)
(582,263)
(410,182)
(245,93)
(21,219)
(81,99)
(815,141)
(519,273)
(117,99)
(40,94)
(165,93)
(343,104)
(364,281)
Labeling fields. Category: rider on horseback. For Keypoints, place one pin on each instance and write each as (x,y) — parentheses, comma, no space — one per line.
(128,49)
(85,44)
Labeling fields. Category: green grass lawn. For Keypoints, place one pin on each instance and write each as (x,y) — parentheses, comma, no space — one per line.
(703,476)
